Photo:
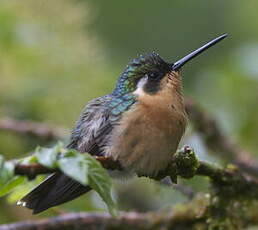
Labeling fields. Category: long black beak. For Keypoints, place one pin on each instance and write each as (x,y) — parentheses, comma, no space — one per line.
(177,65)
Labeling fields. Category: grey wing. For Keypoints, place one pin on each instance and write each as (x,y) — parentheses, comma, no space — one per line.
(93,127)
(89,135)
(100,116)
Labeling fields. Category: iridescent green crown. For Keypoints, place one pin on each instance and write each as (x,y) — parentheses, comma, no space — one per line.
(137,69)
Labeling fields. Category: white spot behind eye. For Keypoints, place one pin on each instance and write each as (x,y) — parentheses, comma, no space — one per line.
(139,90)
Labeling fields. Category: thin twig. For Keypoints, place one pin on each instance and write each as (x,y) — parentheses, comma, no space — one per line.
(184,189)
(217,142)
(37,129)
(32,170)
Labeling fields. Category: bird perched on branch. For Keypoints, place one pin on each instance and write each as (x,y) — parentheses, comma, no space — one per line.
(139,124)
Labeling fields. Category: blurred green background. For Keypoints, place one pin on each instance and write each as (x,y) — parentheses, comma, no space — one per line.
(57,55)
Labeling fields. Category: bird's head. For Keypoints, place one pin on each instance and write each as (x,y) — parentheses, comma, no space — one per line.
(147,72)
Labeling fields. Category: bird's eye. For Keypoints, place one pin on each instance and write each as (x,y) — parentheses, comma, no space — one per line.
(154,75)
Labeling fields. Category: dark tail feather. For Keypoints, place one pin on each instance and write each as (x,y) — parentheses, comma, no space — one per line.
(56,189)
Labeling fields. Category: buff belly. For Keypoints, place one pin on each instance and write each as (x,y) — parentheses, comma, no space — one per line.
(144,143)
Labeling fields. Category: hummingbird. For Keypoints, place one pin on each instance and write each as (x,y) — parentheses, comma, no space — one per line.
(139,124)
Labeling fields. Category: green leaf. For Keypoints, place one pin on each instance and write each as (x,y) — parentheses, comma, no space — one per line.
(48,156)
(22,189)
(74,165)
(101,182)
(6,171)
(1,163)
(88,171)
(81,167)
(10,185)
(28,160)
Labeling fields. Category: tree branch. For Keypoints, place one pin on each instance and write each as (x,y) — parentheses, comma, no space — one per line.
(219,143)
(97,221)
(32,170)
(37,129)
(194,215)
(184,163)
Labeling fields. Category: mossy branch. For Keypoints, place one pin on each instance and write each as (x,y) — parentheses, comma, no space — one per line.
(184,164)
(195,215)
